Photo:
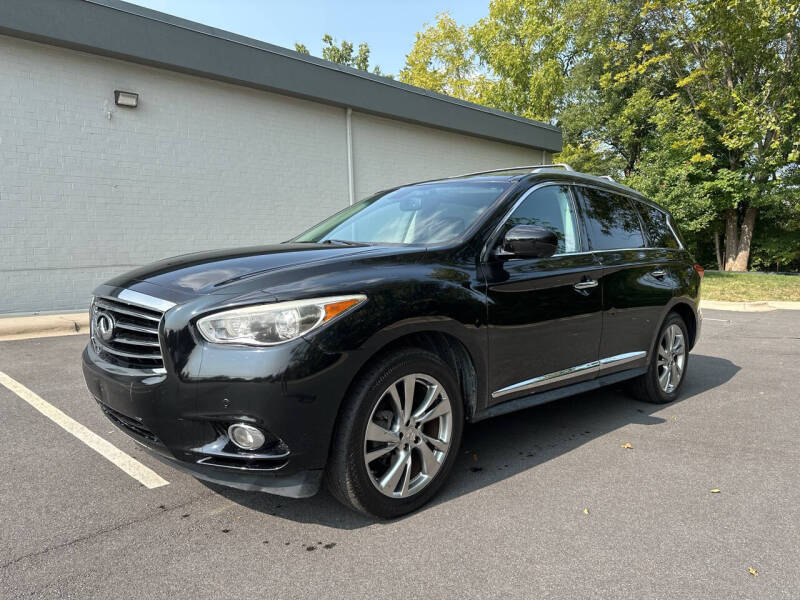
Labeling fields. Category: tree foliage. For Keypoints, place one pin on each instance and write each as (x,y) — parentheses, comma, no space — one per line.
(694,102)
(344,53)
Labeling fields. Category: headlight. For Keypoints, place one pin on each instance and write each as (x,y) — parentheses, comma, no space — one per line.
(269,324)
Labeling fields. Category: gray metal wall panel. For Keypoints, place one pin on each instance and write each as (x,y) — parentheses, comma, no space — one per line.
(125,31)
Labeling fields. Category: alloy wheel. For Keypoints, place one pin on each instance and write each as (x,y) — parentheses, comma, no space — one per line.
(671,358)
(408,435)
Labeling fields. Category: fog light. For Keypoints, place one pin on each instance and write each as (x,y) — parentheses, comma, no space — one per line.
(245,436)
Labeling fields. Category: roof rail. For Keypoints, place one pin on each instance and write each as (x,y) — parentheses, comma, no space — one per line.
(609,177)
(532,168)
(564,166)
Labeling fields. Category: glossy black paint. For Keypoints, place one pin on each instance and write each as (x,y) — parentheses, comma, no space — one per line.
(508,319)
(538,322)
(529,241)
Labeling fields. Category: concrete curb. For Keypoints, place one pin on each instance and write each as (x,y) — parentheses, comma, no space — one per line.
(757,306)
(17,328)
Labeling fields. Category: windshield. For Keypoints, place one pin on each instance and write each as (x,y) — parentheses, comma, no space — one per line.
(426,213)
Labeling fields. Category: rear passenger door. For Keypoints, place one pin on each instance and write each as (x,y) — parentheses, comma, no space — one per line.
(635,281)
(663,246)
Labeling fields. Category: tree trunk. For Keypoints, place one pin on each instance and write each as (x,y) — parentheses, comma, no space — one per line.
(731,238)
(720,262)
(737,241)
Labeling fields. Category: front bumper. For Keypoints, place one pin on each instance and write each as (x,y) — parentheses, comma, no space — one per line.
(291,391)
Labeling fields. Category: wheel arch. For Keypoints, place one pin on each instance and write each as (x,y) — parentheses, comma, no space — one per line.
(445,345)
(689,316)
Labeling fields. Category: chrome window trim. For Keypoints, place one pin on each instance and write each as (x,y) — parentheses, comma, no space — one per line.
(579,216)
(595,366)
(668,218)
(614,250)
(643,200)
(493,237)
(630,198)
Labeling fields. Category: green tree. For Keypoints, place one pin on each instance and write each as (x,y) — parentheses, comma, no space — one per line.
(442,60)
(696,103)
(344,54)
(739,93)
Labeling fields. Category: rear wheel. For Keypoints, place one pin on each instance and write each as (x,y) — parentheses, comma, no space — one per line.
(398,435)
(667,369)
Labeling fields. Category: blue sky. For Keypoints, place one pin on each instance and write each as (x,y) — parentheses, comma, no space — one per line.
(388,27)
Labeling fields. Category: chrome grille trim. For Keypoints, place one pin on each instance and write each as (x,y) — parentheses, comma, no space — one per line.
(145,301)
(116,352)
(125,311)
(134,342)
(138,328)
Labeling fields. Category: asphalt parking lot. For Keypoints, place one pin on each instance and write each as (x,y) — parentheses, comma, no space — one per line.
(545,503)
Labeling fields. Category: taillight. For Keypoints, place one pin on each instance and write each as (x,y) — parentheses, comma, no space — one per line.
(700,270)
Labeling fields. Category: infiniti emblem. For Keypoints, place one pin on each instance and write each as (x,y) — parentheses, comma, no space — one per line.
(104,325)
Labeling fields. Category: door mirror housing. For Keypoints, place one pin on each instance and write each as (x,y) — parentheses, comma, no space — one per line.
(529,241)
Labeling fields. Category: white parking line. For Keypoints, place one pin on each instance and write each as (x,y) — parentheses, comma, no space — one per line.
(130,465)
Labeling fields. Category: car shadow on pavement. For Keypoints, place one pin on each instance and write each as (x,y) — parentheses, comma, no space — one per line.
(504,446)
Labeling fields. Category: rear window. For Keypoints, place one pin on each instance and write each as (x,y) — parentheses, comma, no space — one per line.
(612,223)
(656,227)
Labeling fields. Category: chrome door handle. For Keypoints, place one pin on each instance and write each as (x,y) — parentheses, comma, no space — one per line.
(658,273)
(585,285)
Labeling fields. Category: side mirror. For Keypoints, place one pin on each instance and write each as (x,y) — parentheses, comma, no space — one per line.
(529,241)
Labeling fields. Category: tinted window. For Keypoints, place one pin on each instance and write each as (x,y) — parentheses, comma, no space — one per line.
(416,214)
(656,227)
(550,207)
(611,221)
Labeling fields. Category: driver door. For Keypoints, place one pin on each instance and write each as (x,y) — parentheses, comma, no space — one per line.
(544,314)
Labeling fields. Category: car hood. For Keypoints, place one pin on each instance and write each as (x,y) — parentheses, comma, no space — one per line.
(214,271)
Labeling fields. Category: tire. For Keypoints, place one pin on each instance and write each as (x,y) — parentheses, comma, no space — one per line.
(390,444)
(650,386)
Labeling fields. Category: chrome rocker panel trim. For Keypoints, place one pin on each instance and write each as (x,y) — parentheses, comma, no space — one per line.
(596,366)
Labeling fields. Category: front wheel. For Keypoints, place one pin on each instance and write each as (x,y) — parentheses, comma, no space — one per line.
(668,364)
(398,435)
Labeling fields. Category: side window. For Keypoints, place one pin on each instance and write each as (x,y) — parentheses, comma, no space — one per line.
(655,224)
(612,222)
(550,207)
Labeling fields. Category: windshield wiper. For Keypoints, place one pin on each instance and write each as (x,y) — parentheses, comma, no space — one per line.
(341,242)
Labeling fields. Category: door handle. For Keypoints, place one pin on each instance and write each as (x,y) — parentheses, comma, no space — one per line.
(659,273)
(585,285)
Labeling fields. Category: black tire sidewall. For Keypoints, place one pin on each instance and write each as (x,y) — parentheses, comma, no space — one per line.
(655,390)
(361,491)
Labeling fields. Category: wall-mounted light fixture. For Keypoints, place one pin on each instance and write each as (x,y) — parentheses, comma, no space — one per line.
(126,99)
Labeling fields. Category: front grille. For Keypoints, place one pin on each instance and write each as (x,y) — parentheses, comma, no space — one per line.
(129,425)
(126,334)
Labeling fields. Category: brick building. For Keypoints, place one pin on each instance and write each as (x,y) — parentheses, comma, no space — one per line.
(233,142)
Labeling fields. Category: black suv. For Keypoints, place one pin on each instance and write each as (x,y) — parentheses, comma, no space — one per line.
(357,350)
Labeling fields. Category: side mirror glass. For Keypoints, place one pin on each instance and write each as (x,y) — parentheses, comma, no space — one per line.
(529,241)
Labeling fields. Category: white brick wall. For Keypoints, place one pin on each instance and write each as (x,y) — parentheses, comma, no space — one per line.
(388,153)
(89,189)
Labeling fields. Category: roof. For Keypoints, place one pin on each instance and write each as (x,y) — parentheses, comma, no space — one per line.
(125,31)
(577,177)
(547,172)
